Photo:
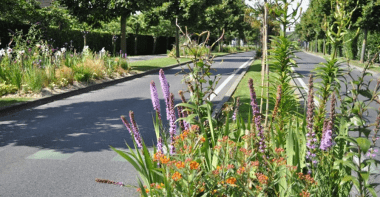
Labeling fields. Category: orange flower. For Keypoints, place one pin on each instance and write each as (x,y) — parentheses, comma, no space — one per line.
(279,150)
(180,164)
(194,128)
(305,193)
(159,186)
(194,165)
(255,163)
(176,176)
(183,135)
(231,181)
(203,139)
(164,159)
(157,156)
(263,179)
(241,170)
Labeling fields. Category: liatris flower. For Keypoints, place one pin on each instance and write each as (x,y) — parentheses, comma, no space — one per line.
(135,130)
(181,122)
(377,127)
(310,136)
(326,141)
(310,106)
(159,145)
(332,112)
(182,96)
(126,123)
(155,101)
(257,117)
(278,100)
(172,119)
(109,182)
(165,90)
(183,111)
(236,111)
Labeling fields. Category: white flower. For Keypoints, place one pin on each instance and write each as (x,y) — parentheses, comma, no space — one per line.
(2,52)
(58,53)
(9,51)
(85,48)
(21,52)
(103,50)
(63,50)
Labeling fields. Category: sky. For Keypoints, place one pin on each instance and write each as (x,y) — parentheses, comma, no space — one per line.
(304,5)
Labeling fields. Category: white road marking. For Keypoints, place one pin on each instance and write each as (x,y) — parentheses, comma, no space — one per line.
(305,87)
(227,80)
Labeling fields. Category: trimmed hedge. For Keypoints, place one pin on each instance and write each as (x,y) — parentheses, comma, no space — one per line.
(95,40)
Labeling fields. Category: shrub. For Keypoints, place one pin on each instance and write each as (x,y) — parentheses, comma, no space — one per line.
(7,89)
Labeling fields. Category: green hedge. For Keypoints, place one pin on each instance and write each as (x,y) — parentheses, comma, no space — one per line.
(95,40)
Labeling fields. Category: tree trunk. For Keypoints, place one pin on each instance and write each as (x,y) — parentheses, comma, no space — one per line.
(154,44)
(316,44)
(176,41)
(123,39)
(167,44)
(136,34)
(364,46)
(324,46)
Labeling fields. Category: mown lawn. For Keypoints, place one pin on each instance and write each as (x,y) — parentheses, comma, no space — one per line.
(155,63)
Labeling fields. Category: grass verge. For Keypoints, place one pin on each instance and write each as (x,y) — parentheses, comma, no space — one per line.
(242,90)
(155,63)
(4,102)
(375,67)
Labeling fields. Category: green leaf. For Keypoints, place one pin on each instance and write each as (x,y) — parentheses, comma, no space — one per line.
(372,191)
(187,105)
(364,144)
(349,179)
(365,176)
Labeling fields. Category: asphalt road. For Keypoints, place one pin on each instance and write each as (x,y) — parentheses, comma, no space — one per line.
(307,62)
(58,149)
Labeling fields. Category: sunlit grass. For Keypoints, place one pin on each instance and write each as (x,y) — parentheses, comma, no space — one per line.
(155,63)
(4,102)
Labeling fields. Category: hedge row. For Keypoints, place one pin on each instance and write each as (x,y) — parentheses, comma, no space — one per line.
(95,40)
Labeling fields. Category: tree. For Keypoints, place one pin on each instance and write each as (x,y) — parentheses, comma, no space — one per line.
(163,28)
(188,13)
(95,11)
(367,18)
(19,11)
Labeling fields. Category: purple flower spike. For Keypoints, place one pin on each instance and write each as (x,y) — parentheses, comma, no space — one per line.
(257,116)
(165,90)
(155,101)
(159,145)
(326,141)
(126,123)
(173,126)
(135,130)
